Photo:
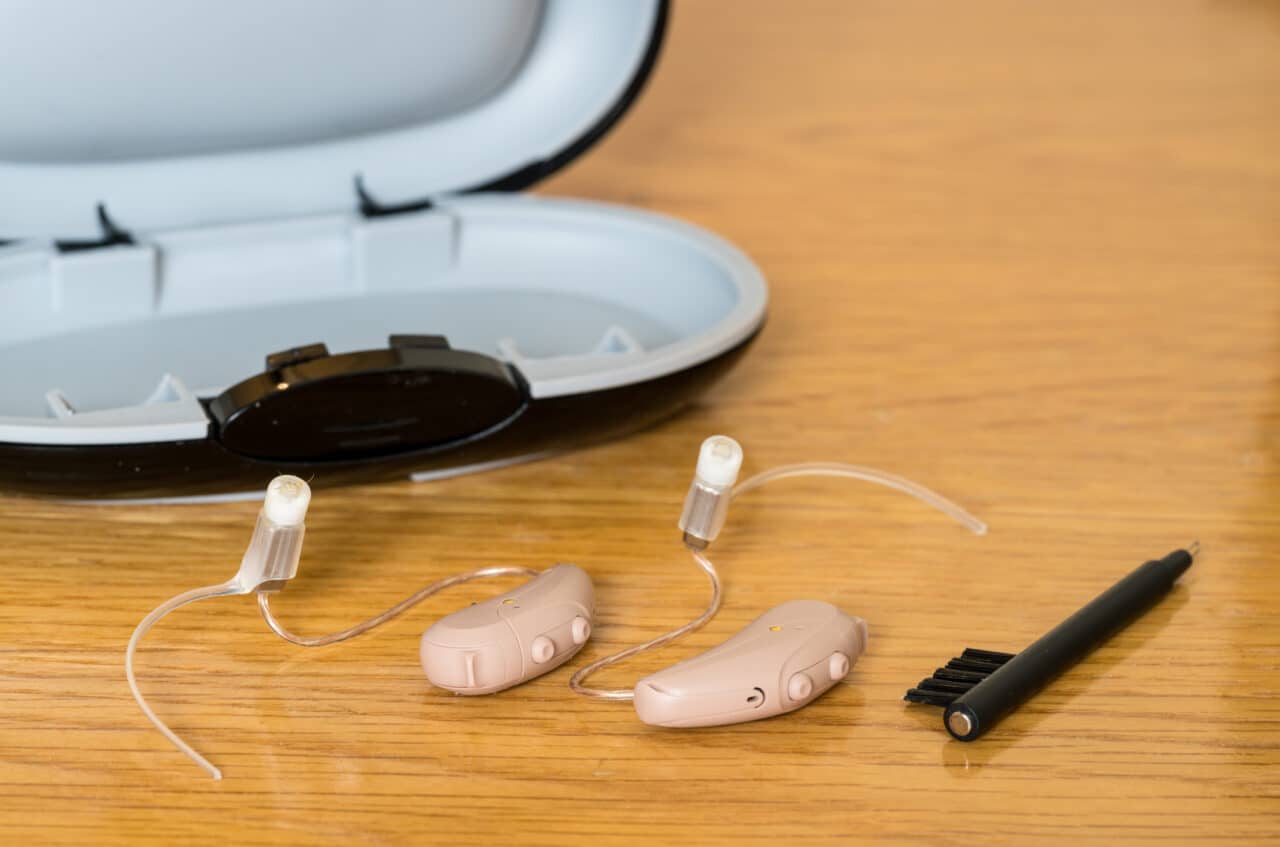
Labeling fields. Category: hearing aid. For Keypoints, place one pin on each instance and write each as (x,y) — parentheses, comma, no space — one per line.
(783,660)
(513,637)
(780,662)
(485,648)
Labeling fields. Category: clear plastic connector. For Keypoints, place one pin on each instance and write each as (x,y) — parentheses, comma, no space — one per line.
(276,546)
(707,503)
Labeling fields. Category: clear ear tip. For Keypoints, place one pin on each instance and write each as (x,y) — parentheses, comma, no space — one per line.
(287,500)
(719,461)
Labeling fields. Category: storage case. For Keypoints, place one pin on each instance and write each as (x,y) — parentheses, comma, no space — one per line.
(247,238)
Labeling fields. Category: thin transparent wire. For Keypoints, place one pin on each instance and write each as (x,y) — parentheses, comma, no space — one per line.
(395,611)
(575,682)
(925,495)
(224,590)
(897,483)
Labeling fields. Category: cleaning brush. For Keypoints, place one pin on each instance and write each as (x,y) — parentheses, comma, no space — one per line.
(979,687)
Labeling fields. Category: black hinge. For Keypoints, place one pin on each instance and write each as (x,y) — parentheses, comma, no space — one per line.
(371,208)
(111,236)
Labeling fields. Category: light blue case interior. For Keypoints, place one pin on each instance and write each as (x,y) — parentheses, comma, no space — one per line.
(227,137)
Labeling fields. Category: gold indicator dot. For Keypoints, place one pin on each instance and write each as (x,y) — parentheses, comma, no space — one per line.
(775,629)
(508,602)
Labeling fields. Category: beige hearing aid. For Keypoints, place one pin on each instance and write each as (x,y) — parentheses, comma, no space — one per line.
(513,637)
(784,659)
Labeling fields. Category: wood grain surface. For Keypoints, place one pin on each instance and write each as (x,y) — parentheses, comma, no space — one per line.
(1024,253)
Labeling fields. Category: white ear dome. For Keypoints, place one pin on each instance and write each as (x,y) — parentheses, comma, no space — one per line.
(287,500)
(719,461)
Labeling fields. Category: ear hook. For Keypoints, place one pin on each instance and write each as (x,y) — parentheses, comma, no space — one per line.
(271,560)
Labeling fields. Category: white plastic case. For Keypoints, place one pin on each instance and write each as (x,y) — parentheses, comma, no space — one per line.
(187,188)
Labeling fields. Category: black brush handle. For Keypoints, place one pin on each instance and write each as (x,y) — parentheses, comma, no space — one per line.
(978,709)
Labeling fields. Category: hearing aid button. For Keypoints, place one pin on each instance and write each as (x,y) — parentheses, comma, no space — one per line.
(799,686)
(542,649)
(469,662)
(837,666)
(581,630)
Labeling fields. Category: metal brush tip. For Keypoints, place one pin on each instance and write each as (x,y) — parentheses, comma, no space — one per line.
(959,724)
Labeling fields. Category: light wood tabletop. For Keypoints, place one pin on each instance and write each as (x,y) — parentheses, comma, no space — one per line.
(1026,254)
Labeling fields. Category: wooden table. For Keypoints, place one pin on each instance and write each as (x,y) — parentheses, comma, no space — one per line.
(1025,254)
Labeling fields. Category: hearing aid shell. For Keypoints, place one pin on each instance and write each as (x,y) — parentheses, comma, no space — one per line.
(783,660)
(513,637)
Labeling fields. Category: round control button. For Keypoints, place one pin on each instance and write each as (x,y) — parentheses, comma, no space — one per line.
(837,666)
(581,630)
(799,686)
(542,649)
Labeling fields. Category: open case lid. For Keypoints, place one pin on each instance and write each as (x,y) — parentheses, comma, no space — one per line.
(275,110)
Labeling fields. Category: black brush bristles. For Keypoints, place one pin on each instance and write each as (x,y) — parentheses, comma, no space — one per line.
(961,673)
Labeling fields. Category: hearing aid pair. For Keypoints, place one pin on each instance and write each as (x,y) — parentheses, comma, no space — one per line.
(782,661)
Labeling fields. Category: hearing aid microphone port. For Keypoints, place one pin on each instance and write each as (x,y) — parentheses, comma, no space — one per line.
(756,700)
